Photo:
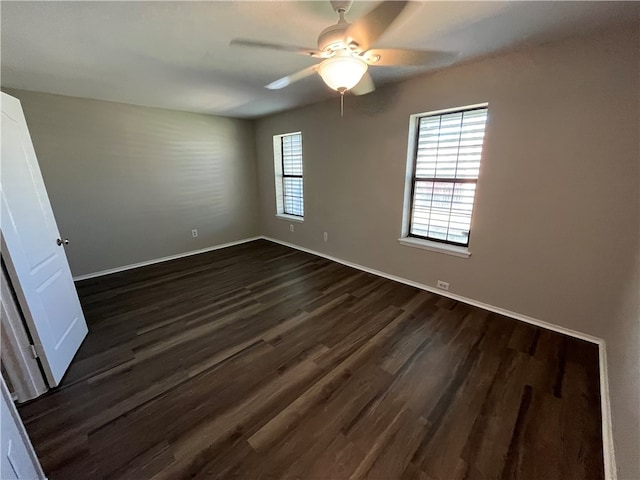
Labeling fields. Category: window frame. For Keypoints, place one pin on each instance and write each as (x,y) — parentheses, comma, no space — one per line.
(420,241)
(280,176)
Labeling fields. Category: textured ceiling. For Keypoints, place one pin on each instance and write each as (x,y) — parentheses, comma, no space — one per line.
(176,54)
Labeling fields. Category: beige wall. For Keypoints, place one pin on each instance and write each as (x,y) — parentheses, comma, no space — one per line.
(556,219)
(128,184)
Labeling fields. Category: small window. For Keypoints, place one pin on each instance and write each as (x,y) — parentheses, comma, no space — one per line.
(288,167)
(444,167)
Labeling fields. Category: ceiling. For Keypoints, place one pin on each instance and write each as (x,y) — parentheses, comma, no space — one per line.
(176,54)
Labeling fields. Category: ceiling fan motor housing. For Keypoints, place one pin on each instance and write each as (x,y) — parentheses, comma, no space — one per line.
(332,37)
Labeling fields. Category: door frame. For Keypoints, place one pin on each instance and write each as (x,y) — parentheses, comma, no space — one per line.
(22,368)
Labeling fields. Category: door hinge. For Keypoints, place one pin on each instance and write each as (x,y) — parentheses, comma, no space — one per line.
(34,352)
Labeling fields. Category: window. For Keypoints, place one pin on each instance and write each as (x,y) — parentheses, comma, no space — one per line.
(444,166)
(287,153)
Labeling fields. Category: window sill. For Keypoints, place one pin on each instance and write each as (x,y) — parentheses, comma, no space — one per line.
(462,252)
(291,218)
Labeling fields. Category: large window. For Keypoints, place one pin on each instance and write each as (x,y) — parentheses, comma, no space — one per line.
(445,167)
(288,174)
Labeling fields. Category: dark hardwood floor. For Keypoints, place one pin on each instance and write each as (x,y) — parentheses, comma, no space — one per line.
(259,361)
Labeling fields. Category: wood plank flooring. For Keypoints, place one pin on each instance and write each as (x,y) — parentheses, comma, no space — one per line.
(259,361)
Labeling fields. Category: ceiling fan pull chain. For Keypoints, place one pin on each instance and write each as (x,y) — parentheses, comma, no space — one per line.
(342,104)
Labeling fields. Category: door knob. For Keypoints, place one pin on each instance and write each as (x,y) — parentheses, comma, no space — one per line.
(60,241)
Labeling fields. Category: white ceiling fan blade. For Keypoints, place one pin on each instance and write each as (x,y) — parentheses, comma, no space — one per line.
(310,52)
(366,30)
(294,77)
(399,56)
(364,86)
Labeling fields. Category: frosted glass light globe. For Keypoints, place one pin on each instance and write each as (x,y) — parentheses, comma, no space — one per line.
(342,72)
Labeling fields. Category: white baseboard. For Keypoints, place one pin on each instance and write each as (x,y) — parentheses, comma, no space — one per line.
(607,432)
(444,293)
(162,259)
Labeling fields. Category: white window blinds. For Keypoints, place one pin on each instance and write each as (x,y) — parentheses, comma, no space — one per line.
(292,181)
(447,162)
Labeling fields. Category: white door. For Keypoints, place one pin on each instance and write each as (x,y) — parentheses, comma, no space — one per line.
(17,459)
(33,251)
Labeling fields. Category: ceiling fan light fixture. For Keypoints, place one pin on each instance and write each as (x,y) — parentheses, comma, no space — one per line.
(342,72)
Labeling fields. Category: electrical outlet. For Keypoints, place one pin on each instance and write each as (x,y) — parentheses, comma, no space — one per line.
(443,285)
(194,232)
(326,236)
(291,227)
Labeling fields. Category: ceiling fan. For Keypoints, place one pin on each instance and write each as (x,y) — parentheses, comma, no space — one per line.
(346,50)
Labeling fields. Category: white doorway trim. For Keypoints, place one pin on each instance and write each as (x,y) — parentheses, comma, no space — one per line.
(18,360)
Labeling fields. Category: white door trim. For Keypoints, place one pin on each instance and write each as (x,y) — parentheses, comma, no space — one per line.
(33,463)
(22,368)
